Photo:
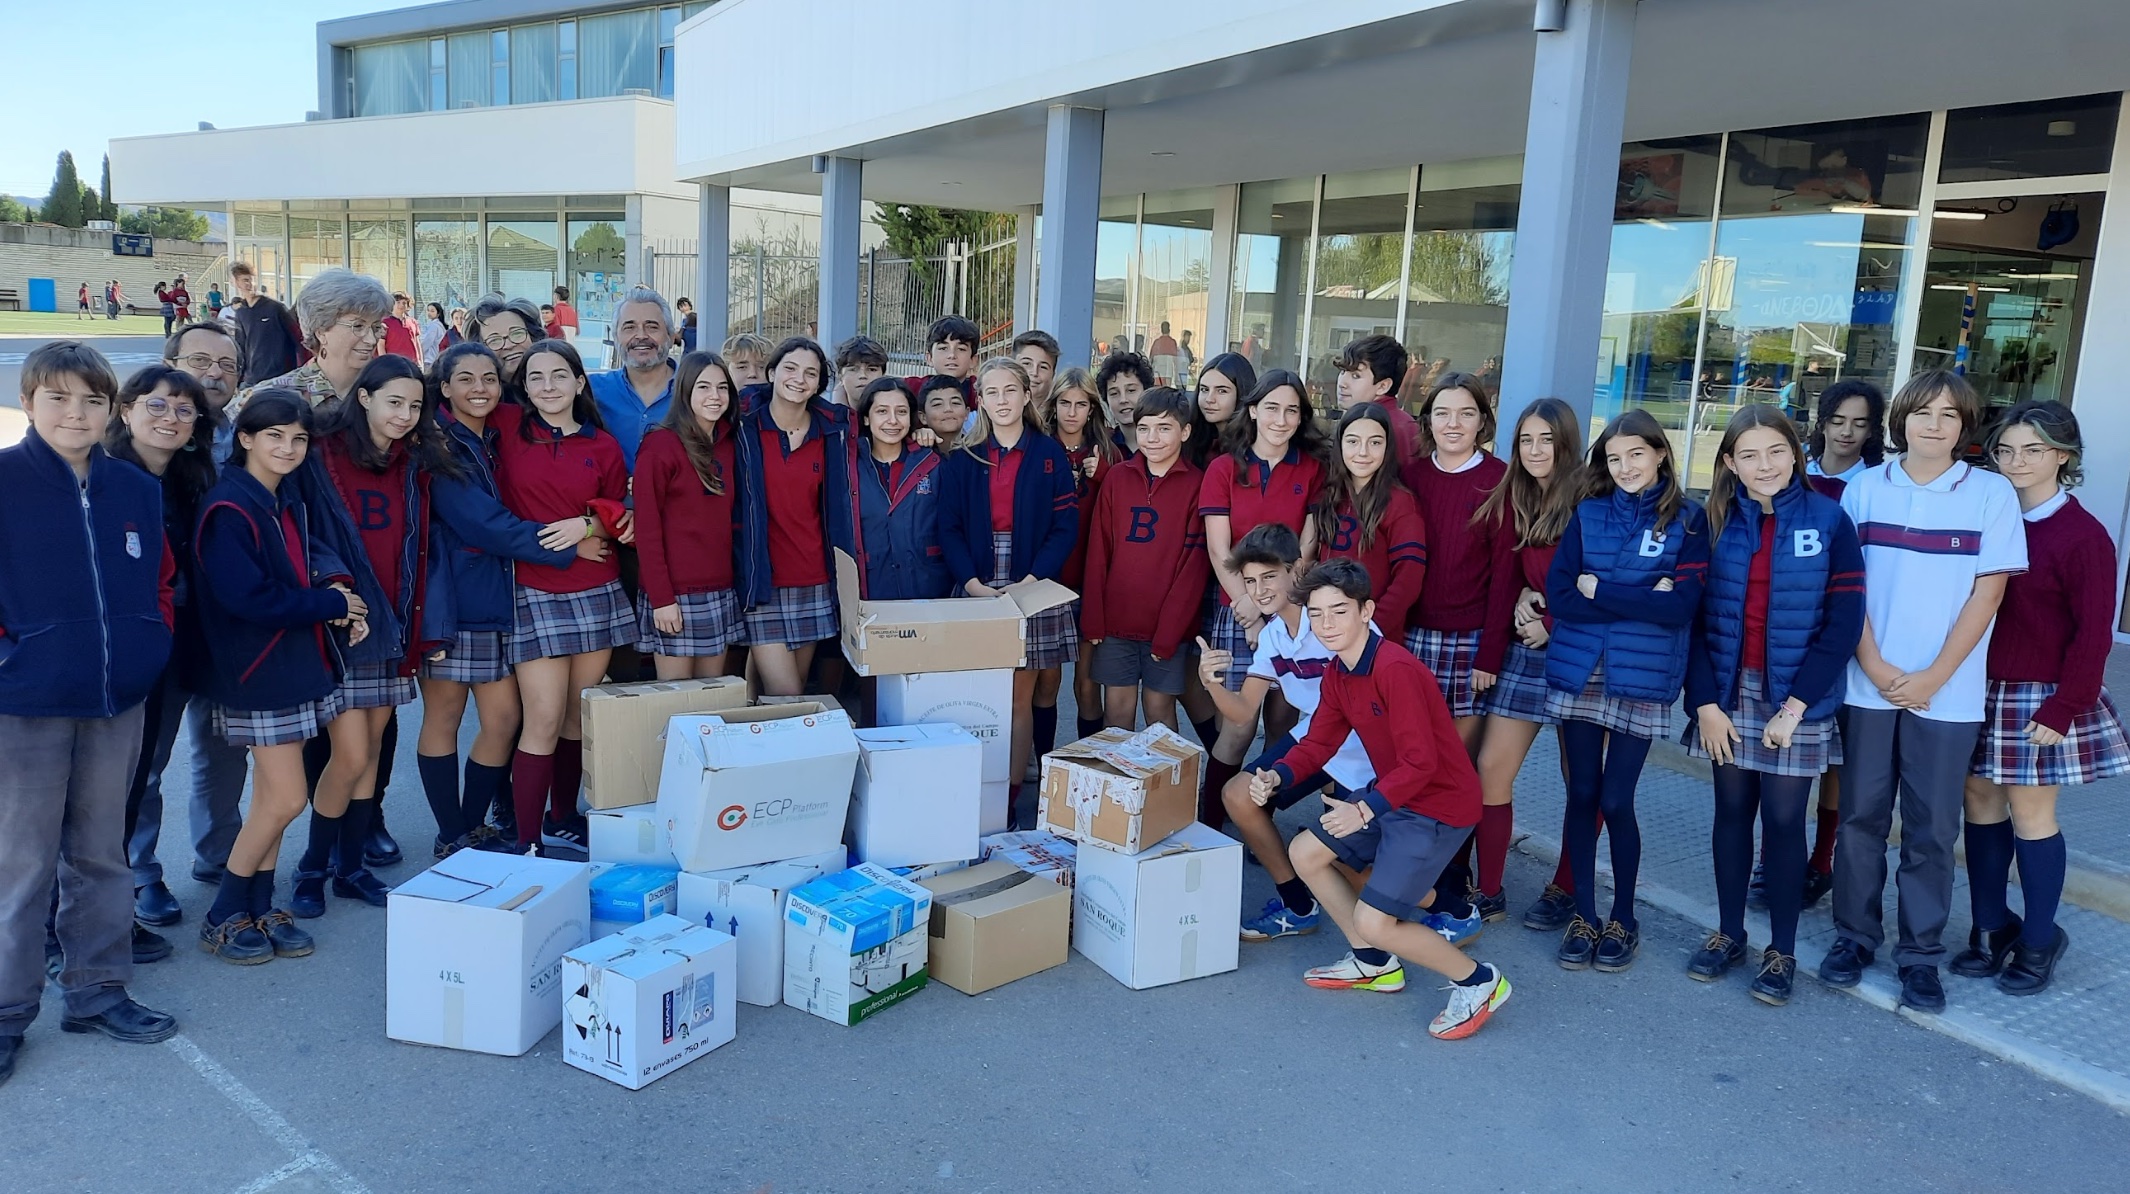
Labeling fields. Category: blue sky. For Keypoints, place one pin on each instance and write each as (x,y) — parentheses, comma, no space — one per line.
(75,74)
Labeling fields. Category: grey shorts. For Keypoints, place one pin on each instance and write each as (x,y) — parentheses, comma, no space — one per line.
(1408,852)
(1125,663)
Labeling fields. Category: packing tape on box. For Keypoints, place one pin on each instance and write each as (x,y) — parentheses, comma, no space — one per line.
(940,903)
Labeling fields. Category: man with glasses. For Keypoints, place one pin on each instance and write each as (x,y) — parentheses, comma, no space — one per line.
(269,343)
(208,353)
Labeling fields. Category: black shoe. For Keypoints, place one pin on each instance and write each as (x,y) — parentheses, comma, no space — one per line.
(281,932)
(1617,947)
(1817,885)
(1921,989)
(236,940)
(490,839)
(10,1048)
(2029,971)
(1756,892)
(148,945)
(441,849)
(1715,957)
(125,1021)
(154,905)
(1550,912)
(1777,973)
(564,839)
(1491,907)
(206,872)
(1578,945)
(378,848)
(361,885)
(1844,964)
(306,897)
(1984,959)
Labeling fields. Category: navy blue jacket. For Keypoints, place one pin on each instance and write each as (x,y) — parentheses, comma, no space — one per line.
(1046,512)
(897,533)
(81,584)
(266,645)
(397,629)
(473,539)
(1638,633)
(831,423)
(1815,604)
(181,514)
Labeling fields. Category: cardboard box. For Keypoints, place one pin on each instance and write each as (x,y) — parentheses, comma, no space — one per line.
(952,634)
(993,923)
(926,870)
(756,785)
(979,702)
(854,943)
(818,698)
(1122,790)
(641,1004)
(917,794)
(1163,916)
(634,834)
(473,950)
(1036,852)
(748,904)
(625,895)
(623,724)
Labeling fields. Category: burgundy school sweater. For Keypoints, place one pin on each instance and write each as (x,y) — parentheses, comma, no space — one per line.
(1396,558)
(556,476)
(1074,575)
(2055,623)
(1146,557)
(1392,701)
(1465,562)
(683,531)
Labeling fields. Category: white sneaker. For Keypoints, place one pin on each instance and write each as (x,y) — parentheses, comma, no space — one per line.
(1352,974)
(1469,1007)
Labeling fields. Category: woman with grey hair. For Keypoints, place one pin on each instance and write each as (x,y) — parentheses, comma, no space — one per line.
(341,314)
(508,326)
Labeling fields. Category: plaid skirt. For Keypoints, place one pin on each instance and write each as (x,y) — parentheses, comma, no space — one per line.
(1621,715)
(1520,691)
(1226,634)
(279,727)
(558,625)
(1054,634)
(376,686)
(2093,749)
(1814,745)
(793,617)
(472,657)
(709,624)
(1449,654)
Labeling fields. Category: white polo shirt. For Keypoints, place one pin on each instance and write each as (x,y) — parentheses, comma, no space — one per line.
(1924,546)
(1297,662)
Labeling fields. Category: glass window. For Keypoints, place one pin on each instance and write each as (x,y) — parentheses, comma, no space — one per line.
(523,256)
(2038,140)
(668,21)
(1172,281)
(389,78)
(532,64)
(1457,273)
(447,261)
(377,246)
(468,54)
(597,271)
(499,66)
(1116,241)
(1271,272)
(566,60)
(439,74)
(314,244)
(617,52)
(689,10)
(1359,250)
(1655,280)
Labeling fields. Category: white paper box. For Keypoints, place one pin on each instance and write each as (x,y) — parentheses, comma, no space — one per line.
(1164,915)
(625,895)
(635,834)
(997,807)
(643,1003)
(979,702)
(855,943)
(473,950)
(915,799)
(748,904)
(756,785)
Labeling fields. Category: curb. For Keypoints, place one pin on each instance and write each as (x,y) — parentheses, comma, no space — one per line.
(1883,992)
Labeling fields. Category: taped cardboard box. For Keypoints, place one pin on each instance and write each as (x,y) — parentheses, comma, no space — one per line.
(473,950)
(819,698)
(640,1004)
(855,943)
(756,785)
(625,895)
(951,634)
(623,726)
(916,797)
(748,904)
(1036,852)
(993,923)
(1121,790)
(634,834)
(979,702)
(1171,913)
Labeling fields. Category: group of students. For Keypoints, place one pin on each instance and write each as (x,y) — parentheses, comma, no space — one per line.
(1399,610)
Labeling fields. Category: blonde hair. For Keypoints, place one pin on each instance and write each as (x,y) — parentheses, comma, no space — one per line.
(1045,411)
(980,430)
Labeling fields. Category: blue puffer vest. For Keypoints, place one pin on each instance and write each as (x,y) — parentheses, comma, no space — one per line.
(1622,546)
(1805,528)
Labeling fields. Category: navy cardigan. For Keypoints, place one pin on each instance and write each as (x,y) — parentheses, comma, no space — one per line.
(82,630)
(473,540)
(831,423)
(897,533)
(266,646)
(1046,512)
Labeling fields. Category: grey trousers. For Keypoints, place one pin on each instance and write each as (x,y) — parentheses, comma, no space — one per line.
(218,772)
(1891,754)
(63,805)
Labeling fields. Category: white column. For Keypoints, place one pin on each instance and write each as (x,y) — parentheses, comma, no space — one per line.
(1072,200)
(2104,354)
(840,216)
(1024,268)
(1227,211)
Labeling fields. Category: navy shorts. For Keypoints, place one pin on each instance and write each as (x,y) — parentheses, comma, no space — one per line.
(1127,663)
(1408,852)
(1290,795)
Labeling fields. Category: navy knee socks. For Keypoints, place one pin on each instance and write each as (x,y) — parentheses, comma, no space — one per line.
(440,784)
(1989,873)
(1044,719)
(261,901)
(323,835)
(485,787)
(232,897)
(2042,862)
(354,826)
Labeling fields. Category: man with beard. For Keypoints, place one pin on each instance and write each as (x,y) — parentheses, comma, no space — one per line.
(632,400)
(208,352)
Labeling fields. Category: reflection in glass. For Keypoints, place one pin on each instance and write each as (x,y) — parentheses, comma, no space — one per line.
(314,245)
(597,272)
(378,247)
(2037,140)
(1359,250)
(523,256)
(447,262)
(1457,293)
(1171,281)
(1116,242)
(1271,272)
(1655,281)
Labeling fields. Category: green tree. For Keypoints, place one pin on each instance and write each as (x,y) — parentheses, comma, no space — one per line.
(107,210)
(920,233)
(62,206)
(167,223)
(12,211)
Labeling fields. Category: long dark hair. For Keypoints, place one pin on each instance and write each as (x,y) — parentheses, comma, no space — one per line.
(1241,431)
(269,406)
(1097,430)
(1470,384)
(191,470)
(349,421)
(448,361)
(584,410)
(1370,498)
(681,420)
(1640,424)
(1540,509)
(1204,441)
(1830,403)
(1724,487)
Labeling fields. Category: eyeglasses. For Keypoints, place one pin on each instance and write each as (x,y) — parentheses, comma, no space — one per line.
(163,408)
(513,336)
(2028,454)
(200,362)
(363,329)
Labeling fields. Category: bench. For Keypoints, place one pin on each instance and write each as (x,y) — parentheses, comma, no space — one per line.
(10,298)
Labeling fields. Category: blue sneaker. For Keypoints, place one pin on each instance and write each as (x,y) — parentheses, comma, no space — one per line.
(1456,932)
(1277,920)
